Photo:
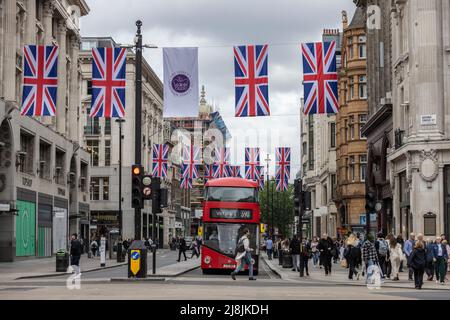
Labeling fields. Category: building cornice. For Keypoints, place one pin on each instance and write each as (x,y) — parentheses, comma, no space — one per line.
(377,119)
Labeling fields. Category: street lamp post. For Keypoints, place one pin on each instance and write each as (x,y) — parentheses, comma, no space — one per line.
(120,121)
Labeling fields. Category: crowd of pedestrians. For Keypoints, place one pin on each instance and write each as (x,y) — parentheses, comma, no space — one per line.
(392,255)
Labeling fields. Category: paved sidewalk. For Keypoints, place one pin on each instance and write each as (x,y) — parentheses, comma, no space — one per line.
(175,269)
(339,276)
(45,267)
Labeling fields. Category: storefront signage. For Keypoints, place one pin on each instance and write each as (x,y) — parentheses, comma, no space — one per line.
(428,120)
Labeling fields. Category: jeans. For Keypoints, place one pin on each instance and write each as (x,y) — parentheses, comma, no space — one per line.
(269,254)
(410,270)
(315,257)
(352,269)
(246,259)
(303,265)
(326,261)
(382,261)
(179,255)
(440,269)
(296,262)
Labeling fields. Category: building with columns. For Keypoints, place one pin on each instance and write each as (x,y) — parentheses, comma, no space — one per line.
(44,171)
(101,137)
(351,153)
(420,157)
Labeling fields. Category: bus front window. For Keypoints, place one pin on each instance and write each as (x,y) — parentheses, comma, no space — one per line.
(232,194)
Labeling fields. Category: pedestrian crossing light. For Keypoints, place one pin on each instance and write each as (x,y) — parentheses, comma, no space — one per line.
(137,201)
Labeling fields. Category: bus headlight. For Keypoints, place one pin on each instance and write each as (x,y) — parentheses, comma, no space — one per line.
(207,260)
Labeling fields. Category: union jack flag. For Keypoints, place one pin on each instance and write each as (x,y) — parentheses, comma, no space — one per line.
(160,157)
(282,169)
(235,171)
(251,163)
(186,182)
(261,177)
(209,172)
(191,160)
(108,82)
(251,81)
(320,79)
(40,80)
(221,164)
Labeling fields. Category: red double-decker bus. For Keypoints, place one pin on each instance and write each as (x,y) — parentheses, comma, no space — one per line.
(230,205)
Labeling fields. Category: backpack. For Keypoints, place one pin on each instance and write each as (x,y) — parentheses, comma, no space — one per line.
(240,246)
(383,247)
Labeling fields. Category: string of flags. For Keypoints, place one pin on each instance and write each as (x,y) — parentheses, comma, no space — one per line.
(320,82)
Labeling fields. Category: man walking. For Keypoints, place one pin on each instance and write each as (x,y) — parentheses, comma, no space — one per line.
(440,257)
(369,252)
(244,255)
(269,248)
(382,247)
(182,249)
(75,253)
(294,246)
(407,249)
(325,248)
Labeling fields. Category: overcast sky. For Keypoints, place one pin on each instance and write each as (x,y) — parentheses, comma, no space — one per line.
(215,26)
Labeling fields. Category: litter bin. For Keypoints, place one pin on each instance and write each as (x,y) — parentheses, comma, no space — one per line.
(120,252)
(287,260)
(137,260)
(62,261)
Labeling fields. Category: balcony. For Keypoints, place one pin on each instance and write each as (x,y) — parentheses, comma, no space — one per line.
(94,130)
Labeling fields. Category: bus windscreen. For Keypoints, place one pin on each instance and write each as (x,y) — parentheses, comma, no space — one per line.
(232,194)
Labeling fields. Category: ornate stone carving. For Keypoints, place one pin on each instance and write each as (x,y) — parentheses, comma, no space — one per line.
(49,7)
(429,166)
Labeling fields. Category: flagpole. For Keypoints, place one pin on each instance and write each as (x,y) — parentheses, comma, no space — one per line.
(267,202)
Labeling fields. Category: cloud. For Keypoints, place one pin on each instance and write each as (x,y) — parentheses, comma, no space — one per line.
(215,26)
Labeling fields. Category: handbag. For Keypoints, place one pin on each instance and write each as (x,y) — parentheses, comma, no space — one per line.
(344,263)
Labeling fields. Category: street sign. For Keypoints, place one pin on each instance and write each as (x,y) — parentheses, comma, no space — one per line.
(147,191)
(102,252)
(135,263)
(5,207)
(147,181)
(200,231)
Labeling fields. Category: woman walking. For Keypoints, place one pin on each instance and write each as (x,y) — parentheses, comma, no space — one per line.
(353,256)
(417,261)
(395,257)
(315,251)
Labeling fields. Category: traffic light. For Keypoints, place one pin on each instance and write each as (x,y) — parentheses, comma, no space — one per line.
(297,196)
(147,187)
(137,172)
(156,197)
(370,201)
(163,195)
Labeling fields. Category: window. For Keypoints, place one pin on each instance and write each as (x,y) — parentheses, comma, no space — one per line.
(333,186)
(95,185)
(92,146)
(352,127)
(107,153)
(304,148)
(362,46)
(363,87)
(60,161)
(83,178)
(26,153)
(105,188)
(92,126)
(333,135)
(231,194)
(429,224)
(350,47)
(107,126)
(362,123)
(89,87)
(352,88)
(362,167)
(45,150)
(352,168)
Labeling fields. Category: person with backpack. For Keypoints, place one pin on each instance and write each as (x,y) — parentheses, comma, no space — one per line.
(94,247)
(353,256)
(244,255)
(382,247)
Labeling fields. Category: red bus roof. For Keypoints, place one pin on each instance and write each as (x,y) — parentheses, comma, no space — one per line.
(232,182)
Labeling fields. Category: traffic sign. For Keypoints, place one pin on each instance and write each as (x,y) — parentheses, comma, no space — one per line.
(135,263)
(146,181)
(5,207)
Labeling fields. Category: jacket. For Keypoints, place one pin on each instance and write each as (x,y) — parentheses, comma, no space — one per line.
(247,248)
(436,251)
(325,246)
(396,252)
(295,246)
(429,250)
(369,252)
(75,247)
(353,255)
(417,259)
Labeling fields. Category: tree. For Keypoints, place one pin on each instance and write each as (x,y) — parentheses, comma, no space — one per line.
(282,209)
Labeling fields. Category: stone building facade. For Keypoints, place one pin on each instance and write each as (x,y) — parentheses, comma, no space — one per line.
(101,138)
(44,170)
(351,154)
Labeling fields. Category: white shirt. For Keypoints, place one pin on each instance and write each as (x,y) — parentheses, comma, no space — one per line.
(440,254)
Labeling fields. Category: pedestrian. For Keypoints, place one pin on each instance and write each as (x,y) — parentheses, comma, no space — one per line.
(325,248)
(369,253)
(269,248)
(335,251)
(182,249)
(314,251)
(429,268)
(407,249)
(294,247)
(280,251)
(382,247)
(353,256)
(244,255)
(417,261)
(305,251)
(194,247)
(395,257)
(94,247)
(440,257)
(447,246)
(75,253)
(401,242)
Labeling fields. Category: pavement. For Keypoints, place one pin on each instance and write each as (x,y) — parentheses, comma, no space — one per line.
(339,276)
